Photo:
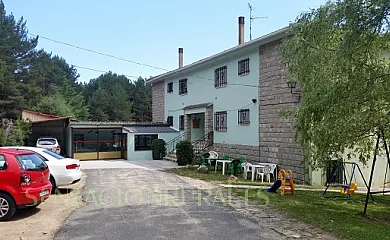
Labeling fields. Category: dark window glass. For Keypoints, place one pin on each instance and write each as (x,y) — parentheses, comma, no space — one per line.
(220,77)
(221,121)
(243,67)
(144,142)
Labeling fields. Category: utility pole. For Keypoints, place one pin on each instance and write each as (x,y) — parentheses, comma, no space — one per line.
(251,19)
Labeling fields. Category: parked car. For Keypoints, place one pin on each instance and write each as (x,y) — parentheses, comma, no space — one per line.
(49,143)
(24,181)
(63,171)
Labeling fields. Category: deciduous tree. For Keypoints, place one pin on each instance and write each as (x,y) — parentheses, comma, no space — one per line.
(339,54)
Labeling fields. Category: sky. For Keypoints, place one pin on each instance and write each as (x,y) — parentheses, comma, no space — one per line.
(148,31)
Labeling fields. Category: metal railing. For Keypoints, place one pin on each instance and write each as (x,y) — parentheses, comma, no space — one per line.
(171,145)
(203,143)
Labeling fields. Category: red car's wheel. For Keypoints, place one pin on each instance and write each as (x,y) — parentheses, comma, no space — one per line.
(7,207)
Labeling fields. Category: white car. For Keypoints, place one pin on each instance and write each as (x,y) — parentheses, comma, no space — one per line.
(49,143)
(63,171)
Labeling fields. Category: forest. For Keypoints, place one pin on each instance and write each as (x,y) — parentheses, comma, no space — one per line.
(37,80)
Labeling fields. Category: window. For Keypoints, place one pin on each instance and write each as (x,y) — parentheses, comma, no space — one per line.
(181,122)
(183,86)
(170,87)
(170,120)
(221,121)
(243,67)
(220,77)
(32,162)
(3,164)
(144,142)
(54,155)
(47,141)
(243,116)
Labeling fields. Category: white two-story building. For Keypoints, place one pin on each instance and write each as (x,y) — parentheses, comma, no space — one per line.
(233,100)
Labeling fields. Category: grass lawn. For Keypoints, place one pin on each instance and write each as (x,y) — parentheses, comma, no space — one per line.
(344,220)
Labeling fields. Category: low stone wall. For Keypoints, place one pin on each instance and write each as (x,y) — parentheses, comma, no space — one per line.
(248,153)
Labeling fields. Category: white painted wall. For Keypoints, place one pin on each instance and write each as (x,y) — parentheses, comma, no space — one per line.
(144,155)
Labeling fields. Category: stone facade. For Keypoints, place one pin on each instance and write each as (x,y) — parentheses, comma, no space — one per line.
(208,120)
(187,127)
(248,153)
(277,133)
(158,102)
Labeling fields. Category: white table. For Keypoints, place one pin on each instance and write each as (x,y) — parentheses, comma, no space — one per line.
(223,165)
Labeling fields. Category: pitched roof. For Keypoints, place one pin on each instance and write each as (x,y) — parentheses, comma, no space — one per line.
(150,129)
(40,114)
(273,36)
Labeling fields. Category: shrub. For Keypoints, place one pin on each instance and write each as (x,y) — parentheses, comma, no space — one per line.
(158,149)
(184,152)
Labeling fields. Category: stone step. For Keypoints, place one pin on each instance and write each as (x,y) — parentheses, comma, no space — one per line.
(171,159)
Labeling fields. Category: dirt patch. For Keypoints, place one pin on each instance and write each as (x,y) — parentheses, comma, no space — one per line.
(44,221)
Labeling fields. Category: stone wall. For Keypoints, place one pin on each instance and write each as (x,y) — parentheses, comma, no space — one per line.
(248,153)
(277,133)
(208,120)
(158,102)
(187,127)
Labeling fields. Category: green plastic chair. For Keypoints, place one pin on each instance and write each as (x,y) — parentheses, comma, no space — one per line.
(235,166)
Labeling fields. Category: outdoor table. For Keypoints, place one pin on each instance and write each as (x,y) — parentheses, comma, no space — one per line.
(223,161)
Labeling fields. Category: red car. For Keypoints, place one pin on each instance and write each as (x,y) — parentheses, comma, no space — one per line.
(24,181)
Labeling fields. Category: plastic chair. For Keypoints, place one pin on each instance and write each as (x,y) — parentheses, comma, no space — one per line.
(260,173)
(235,166)
(272,171)
(213,154)
(266,171)
(247,169)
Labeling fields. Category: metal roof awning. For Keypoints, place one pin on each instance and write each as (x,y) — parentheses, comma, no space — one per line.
(149,129)
(202,105)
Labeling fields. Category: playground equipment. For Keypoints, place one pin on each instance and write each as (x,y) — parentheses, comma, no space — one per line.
(380,134)
(283,177)
(348,187)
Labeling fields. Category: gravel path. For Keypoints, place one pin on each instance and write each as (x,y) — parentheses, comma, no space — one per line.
(149,204)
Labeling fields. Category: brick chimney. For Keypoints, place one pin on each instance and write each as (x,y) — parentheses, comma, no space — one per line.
(240,30)
(180,57)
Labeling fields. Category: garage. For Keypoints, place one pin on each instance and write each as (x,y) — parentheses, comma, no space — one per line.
(50,128)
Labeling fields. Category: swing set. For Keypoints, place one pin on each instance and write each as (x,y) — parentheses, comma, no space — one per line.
(347,187)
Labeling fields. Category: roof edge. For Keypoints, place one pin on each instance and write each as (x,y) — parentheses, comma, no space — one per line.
(270,37)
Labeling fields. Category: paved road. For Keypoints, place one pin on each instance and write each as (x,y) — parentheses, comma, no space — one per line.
(139,203)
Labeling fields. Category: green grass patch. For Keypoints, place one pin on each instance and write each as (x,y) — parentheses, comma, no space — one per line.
(218,178)
(332,215)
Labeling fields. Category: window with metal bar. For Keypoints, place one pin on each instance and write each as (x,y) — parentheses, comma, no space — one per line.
(181,122)
(220,77)
(221,121)
(170,120)
(183,86)
(170,87)
(243,67)
(243,117)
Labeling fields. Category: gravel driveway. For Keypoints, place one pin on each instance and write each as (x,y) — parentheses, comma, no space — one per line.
(140,203)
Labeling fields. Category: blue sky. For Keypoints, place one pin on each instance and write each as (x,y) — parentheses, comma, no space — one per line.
(148,32)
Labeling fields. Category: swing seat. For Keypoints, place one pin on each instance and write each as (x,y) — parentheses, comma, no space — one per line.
(352,187)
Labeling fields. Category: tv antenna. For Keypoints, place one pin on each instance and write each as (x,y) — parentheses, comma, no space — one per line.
(251,19)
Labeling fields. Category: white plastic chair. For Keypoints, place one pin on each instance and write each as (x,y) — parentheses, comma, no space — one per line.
(247,169)
(272,168)
(260,173)
(266,171)
(213,154)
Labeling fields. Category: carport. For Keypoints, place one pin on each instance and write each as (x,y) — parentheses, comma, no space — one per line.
(50,128)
